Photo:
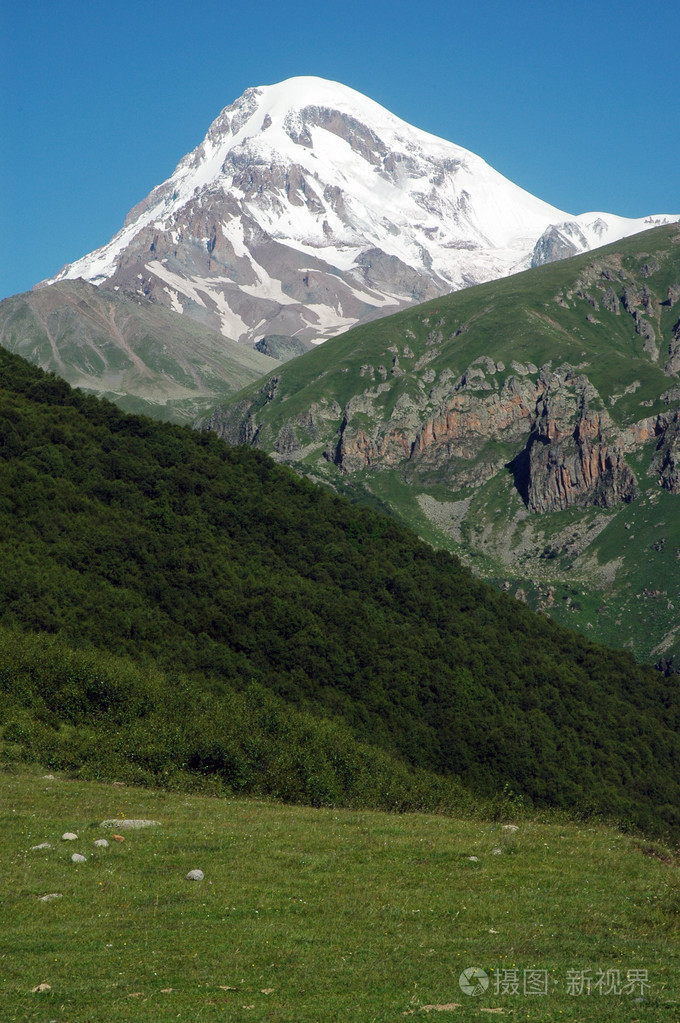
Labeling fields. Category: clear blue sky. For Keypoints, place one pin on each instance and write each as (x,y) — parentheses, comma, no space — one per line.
(575,101)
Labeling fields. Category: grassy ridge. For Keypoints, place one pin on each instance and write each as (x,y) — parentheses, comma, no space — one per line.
(144,357)
(308,915)
(146,540)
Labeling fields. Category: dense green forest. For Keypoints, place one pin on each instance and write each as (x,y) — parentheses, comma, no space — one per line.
(221,583)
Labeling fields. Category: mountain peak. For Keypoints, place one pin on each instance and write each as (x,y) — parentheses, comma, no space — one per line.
(308,207)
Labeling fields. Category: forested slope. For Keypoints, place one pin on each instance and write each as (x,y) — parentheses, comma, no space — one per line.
(165,546)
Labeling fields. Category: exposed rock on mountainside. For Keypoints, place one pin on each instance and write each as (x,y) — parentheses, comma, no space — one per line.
(308,208)
(573,454)
(282,347)
(666,459)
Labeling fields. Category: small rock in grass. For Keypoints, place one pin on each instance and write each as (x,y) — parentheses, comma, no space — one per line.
(48,777)
(101,843)
(69,836)
(78,858)
(474,859)
(448,1007)
(126,823)
(510,827)
(166,990)
(496,851)
(41,987)
(195,875)
(43,845)
(50,897)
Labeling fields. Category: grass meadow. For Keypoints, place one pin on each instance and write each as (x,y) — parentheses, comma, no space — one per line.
(318,915)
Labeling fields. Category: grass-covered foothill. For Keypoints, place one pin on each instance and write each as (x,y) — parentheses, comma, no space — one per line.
(205,603)
(144,357)
(308,915)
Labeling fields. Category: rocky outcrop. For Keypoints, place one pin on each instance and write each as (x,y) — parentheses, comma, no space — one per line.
(282,346)
(464,424)
(578,468)
(558,241)
(645,330)
(610,301)
(666,461)
(572,453)
(672,367)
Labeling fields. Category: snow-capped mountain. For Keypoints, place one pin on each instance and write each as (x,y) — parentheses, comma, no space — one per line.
(308,208)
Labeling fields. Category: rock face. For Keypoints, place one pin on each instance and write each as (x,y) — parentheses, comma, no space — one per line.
(308,208)
(558,242)
(666,459)
(672,367)
(549,427)
(573,452)
(282,347)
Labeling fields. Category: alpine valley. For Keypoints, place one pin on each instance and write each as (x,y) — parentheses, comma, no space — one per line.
(280,695)
(525,417)
(528,424)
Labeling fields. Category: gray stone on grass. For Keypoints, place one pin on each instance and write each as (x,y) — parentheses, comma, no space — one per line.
(195,875)
(101,843)
(69,836)
(43,845)
(126,823)
(78,858)
(50,897)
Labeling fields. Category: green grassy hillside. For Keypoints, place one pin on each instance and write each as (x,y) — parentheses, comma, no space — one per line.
(223,571)
(307,915)
(144,357)
(437,411)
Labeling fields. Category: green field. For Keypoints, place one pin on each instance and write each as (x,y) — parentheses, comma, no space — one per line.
(323,914)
